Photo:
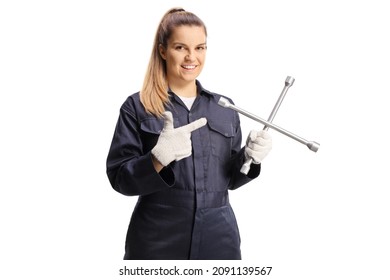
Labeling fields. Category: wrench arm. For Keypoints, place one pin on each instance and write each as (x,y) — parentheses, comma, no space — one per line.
(312,145)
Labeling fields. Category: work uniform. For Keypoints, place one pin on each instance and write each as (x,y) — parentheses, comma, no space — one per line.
(183,212)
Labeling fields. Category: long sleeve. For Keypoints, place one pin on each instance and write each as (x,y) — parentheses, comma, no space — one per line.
(129,163)
(238,158)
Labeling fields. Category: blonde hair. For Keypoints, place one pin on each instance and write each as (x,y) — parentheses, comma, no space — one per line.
(154,92)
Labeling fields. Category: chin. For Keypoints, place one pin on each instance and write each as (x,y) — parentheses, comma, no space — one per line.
(190,77)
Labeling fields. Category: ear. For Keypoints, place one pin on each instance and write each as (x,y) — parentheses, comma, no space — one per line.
(162,51)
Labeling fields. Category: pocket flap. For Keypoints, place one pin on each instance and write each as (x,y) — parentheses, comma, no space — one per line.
(223,128)
(152,126)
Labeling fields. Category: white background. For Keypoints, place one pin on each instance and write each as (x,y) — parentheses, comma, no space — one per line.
(67,66)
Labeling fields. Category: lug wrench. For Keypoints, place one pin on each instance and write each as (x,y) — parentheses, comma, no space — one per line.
(312,145)
(287,84)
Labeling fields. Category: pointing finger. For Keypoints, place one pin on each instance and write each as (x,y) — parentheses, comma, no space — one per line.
(194,125)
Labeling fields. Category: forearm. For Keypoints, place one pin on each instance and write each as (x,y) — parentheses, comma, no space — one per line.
(140,177)
(239,179)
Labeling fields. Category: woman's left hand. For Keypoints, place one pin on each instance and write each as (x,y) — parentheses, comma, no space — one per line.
(258,145)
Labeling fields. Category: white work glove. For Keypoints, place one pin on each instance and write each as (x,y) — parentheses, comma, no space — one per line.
(175,143)
(258,145)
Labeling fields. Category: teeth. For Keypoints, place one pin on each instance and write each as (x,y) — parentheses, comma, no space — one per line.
(189,66)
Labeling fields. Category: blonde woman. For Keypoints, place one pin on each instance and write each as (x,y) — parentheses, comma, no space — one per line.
(180,152)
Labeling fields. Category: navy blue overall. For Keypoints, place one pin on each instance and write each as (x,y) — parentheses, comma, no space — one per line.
(183,212)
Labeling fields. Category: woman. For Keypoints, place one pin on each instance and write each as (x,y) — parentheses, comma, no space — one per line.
(180,152)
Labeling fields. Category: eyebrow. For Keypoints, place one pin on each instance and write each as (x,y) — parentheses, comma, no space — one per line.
(178,43)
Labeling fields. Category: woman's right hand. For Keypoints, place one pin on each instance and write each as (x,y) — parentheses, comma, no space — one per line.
(175,143)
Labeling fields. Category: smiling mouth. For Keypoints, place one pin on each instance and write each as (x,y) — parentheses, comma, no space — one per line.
(189,67)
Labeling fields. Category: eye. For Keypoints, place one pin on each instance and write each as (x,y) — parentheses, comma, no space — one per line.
(201,48)
(179,48)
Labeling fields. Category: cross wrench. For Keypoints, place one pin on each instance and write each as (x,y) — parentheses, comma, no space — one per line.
(312,145)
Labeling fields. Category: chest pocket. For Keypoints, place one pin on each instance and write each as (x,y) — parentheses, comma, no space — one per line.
(149,133)
(221,138)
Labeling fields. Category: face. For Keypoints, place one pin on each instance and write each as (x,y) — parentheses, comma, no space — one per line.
(185,54)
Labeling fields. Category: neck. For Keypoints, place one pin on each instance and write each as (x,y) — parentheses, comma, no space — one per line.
(185,90)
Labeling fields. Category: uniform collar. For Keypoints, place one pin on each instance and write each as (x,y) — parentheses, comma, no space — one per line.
(200,90)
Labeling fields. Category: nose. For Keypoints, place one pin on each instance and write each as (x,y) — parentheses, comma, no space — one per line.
(189,56)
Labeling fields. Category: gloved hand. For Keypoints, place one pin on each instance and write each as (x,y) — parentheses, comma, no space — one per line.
(175,143)
(258,145)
